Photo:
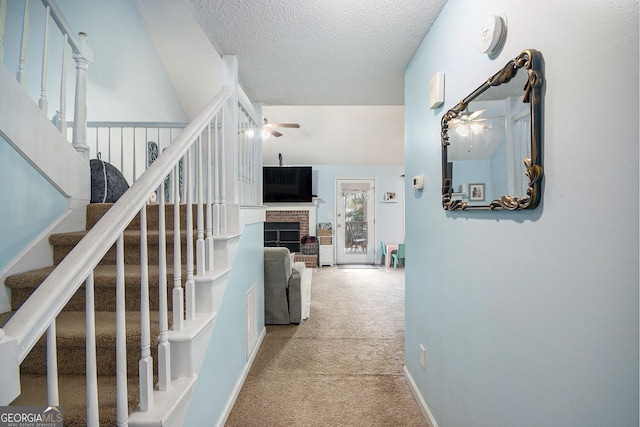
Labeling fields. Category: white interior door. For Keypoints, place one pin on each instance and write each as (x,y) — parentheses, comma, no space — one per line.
(355,221)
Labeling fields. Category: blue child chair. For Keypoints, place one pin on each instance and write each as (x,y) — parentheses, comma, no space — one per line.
(398,255)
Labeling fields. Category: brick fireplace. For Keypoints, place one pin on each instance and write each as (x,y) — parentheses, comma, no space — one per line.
(292,214)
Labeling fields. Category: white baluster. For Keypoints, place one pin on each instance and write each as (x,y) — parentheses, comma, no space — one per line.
(122,397)
(178,292)
(200,243)
(240,162)
(254,168)
(108,144)
(133,148)
(217,177)
(60,119)
(52,366)
(164,347)
(145,366)
(190,284)
(245,161)
(80,108)
(222,166)
(121,151)
(20,75)
(209,240)
(93,411)
(42,102)
(3,14)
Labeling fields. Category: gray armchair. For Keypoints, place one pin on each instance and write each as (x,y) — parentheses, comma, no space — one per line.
(282,287)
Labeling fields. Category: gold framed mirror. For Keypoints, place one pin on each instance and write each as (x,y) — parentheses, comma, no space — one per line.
(492,141)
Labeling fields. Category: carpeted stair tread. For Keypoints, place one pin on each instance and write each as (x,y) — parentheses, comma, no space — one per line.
(70,328)
(103,275)
(22,285)
(70,340)
(63,243)
(130,237)
(95,211)
(72,391)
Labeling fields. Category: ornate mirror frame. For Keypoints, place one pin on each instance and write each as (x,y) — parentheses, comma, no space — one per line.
(529,61)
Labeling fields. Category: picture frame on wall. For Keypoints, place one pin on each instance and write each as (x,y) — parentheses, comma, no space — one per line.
(390,196)
(476,192)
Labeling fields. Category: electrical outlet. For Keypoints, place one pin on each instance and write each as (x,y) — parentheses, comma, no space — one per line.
(423,357)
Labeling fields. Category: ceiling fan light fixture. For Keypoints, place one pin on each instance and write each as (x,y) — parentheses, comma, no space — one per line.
(476,128)
(462,130)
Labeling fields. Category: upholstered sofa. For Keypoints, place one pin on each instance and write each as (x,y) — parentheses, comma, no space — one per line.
(287,288)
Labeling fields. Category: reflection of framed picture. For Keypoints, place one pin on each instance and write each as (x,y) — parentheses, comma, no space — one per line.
(390,196)
(476,192)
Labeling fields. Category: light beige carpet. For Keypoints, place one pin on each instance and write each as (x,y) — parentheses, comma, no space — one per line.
(342,366)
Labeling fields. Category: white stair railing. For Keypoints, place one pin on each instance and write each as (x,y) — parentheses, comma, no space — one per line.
(130,146)
(40,310)
(81,52)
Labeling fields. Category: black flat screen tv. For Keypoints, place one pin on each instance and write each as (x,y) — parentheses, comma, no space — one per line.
(286,184)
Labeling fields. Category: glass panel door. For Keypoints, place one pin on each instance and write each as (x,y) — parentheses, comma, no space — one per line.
(355,221)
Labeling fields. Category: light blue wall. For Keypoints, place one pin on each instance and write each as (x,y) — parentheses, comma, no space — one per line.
(531,318)
(225,361)
(34,203)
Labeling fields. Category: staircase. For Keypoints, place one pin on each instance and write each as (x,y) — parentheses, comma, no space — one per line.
(71,322)
(115,349)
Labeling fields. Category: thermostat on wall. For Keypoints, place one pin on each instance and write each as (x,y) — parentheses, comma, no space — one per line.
(418,182)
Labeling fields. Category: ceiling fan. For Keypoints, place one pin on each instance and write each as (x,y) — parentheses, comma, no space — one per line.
(468,122)
(270,127)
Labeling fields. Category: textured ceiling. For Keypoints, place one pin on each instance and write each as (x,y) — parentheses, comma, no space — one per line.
(323,52)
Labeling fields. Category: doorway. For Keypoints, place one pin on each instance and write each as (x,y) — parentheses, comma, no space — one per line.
(355,220)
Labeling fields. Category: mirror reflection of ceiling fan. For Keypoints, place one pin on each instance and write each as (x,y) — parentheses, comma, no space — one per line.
(468,122)
(270,128)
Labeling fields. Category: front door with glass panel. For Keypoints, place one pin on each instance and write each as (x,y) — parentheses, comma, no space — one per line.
(355,221)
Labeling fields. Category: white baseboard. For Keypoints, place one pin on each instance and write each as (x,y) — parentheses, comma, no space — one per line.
(236,391)
(421,402)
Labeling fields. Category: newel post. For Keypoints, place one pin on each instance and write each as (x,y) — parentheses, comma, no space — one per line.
(227,157)
(83,58)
